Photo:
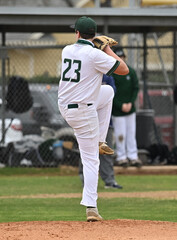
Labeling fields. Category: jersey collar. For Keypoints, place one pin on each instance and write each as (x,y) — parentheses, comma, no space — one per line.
(83,41)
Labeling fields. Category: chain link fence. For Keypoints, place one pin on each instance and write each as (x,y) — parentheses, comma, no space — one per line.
(156,84)
(40,137)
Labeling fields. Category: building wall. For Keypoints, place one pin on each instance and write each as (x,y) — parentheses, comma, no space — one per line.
(30,63)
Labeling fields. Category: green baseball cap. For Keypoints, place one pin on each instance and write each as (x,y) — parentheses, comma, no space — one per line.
(86,25)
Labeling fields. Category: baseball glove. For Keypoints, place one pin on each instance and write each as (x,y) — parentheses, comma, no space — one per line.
(101,42)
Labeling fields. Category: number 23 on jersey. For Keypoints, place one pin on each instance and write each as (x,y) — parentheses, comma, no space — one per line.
(72,64)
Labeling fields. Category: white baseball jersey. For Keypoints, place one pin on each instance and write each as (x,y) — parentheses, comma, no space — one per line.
(83,67)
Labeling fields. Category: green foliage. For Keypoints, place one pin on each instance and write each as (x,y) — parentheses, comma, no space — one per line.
(44,79)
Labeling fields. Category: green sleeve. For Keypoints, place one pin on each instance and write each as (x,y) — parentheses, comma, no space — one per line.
(117,104)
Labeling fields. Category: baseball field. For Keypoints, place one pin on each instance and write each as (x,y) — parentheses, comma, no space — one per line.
(39,204)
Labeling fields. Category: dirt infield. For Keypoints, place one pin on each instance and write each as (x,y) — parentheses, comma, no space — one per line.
(104,230)
(155,195)
(144,170)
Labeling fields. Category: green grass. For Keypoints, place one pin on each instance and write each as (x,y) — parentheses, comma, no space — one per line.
(15,182)
(8,171)
(12,210)
(26,185)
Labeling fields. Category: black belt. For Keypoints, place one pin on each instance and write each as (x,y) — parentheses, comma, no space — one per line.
(75,105)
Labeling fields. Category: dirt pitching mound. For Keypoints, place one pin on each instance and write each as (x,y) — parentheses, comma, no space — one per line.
(104,230)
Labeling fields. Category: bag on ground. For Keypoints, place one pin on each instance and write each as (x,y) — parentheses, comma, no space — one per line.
(19,99)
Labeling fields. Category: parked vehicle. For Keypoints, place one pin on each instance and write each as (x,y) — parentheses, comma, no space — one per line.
(162,103)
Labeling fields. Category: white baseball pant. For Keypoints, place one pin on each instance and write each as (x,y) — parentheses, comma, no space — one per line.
(125,136)
(90,124)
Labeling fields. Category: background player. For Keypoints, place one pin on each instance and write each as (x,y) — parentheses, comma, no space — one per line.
(124,116)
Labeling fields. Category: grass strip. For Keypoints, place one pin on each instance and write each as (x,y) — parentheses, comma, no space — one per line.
(13,210)
(27,185)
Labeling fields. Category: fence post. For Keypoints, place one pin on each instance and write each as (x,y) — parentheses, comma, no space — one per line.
(175,83)
(145,71)
(3,56)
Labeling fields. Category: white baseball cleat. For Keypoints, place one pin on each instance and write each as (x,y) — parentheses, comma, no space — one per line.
(93,215)
(105,149)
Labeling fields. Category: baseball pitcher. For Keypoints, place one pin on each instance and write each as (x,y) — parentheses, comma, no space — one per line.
(85,103)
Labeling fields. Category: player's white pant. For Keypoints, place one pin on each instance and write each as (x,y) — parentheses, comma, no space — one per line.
(90,124)
(125,136)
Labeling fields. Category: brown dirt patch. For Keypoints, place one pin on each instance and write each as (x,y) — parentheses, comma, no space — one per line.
(147,170)
(144,170)
(104,230)
(156,195)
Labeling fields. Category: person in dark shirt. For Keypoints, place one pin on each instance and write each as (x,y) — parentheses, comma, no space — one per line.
(124,116)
